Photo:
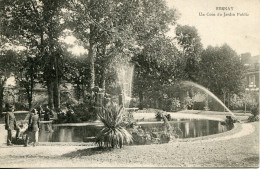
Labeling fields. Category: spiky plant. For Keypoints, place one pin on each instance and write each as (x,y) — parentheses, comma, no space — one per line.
(113,134)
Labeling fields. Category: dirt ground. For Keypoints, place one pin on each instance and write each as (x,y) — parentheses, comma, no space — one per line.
(238,147)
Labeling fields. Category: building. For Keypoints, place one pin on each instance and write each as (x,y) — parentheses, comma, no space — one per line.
(252,73)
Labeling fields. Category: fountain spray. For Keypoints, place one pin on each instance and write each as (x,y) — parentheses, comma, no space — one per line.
(211,94)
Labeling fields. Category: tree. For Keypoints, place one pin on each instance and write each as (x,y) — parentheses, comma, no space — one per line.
(155,70)
(28,74)
(189,41)
(78,73)
(221,71)
(8,65)
(38,25)
(105,28)
(156,62)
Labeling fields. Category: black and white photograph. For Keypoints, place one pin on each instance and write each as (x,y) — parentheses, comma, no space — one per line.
(129,83)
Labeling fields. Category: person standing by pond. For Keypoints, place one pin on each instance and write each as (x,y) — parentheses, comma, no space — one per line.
(47,115)
(10,123)
(34,125)
(40,111)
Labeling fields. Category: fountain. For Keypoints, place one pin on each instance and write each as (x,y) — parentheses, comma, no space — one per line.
(189,127)
(125,79)
(188,83)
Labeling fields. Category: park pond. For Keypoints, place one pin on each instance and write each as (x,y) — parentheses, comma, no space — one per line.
(78,132)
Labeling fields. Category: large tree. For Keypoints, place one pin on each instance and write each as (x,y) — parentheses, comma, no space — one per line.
(155,70)
(38,25)
(156,62)
(106,30)
(191,47)
(221,71)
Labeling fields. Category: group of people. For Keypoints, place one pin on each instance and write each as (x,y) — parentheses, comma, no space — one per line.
(30,130)
(66,116)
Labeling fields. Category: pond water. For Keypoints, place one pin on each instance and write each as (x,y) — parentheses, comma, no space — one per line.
(76,133)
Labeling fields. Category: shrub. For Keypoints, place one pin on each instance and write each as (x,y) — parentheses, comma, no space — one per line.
(84,112)
(198,105)
(253,118)
(175,104)
(113,134)
(20,107)
(255,111)
(159,116)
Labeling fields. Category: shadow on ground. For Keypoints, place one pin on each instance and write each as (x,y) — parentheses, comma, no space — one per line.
(88,152)
(253,160)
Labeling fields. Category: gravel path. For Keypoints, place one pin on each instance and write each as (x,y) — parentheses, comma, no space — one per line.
(236,148)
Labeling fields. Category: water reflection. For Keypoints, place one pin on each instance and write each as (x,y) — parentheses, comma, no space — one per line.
(67,133)
(190,128)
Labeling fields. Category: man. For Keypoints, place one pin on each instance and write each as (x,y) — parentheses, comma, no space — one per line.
(40,111)
(10,123)
(34,125)
(47,113)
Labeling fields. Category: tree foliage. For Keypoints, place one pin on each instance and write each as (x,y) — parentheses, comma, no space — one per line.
(221,70)
(37,24)
(8,65)
(191,47)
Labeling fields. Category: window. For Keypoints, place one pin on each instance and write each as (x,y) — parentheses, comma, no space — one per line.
(252,81)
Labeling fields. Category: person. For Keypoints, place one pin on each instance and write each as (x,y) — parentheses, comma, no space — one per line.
(39,111)
(229,122)
(34,125)
(10,123)
(70,115)
(47,114)
(61,116)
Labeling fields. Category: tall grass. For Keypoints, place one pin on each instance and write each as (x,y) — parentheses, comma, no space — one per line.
(113,134)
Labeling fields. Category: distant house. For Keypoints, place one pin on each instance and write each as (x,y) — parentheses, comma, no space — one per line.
(252,64)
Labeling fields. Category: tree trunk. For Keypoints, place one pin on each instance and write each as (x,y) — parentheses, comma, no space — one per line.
(30,102)
(29,96)
(2,83)
(56,87)
(50,87)
(83,92)
(141,100)
(224,101)
(1,99)
(56,95)
(92,55)
(31,88)
(103,71)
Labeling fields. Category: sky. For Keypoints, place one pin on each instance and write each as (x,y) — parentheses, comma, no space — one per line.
(242,33)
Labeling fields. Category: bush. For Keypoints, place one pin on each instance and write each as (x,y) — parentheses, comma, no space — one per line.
(113,134)
(140,137)
(84,113)
(255,110)
(255,114)
(20,107)
(198,105)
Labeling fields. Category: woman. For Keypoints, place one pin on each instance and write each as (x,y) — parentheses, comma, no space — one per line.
(34,125)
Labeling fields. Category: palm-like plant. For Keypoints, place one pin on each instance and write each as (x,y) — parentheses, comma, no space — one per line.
(113,134)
